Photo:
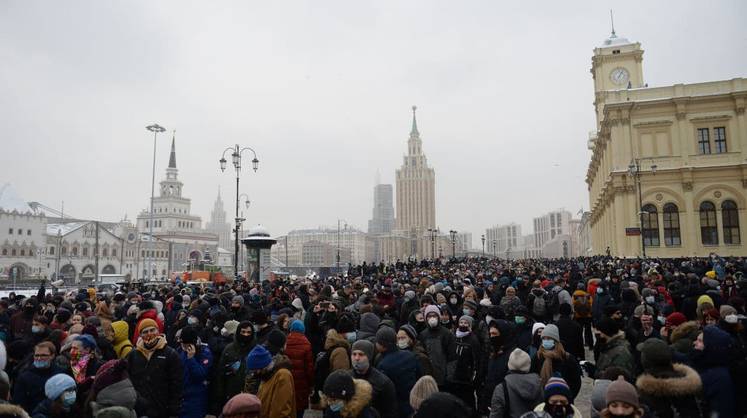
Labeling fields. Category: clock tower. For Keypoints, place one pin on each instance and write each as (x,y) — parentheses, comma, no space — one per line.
(616,65)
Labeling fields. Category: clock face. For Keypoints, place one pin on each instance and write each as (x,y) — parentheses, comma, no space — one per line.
(620,76)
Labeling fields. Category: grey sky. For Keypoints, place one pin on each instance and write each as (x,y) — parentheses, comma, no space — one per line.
(322,90)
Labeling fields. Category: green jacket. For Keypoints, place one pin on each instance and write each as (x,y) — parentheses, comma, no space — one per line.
(615,353)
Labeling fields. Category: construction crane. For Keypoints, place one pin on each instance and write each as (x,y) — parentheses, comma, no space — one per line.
(36,206)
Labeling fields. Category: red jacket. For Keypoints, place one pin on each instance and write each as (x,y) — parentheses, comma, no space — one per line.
(298,350)
(150,313)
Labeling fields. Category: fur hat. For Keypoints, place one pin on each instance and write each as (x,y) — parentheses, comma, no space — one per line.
(519,361)
(339,385)
(551,331)
(622,391)
(423,388)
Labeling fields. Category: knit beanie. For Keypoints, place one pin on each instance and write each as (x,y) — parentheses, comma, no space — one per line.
(675,319)
(231,326)
(551,331)
(705,298)
(622,391)
(58,384)
(410,295)
(243,405)
(432,309)
(366,347)
(386,337)
(147,323)
(410,331)
(557,386)
(423,388)
(275,341)
(258,358)
(655,354)
(339,385)
(470,305)
(608,326)
(109,373)
(519,361)
(87,341)
(189,335)
(238,299)
(297,326)
(467,318)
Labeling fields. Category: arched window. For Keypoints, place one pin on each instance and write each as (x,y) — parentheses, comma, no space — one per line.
(730,219)
(85,251)
(708,224)
(105,252)
(63,251)
(5,251)
(671,225)
(650,223)
(75,251)
(51,250)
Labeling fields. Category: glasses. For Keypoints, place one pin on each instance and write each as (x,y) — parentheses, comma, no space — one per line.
(149,331)
(42,355)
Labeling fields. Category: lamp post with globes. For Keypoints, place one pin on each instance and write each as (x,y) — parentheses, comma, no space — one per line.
(156,129)
(236,152)
(483,244)
(453,242)
(634,170)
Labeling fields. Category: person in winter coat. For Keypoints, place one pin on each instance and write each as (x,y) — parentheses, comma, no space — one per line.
(121,342)
(523,328)
(558,402)
(571,333)
(463,371)
(83,363)
(498,349)
(614,349)
(197,361)
(407,339)
(438,343)
(298,350)
(60,399)
(552,359)
(582,313)
(369,324)
(346,397)
(111,389)
(682,337)
(710,357)
(276,388)
(230,371)
(338,348)
(510,302)
(522,387)
(156,372)
(384,395)
(622,401)
(423,389)
(28,388)
(400,366)
(669,390)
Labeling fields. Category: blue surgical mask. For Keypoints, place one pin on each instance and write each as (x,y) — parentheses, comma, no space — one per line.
(36,329)
(519,319)
(42,364)
(192,320)
(548,344)
(467,312)
(351,337)
(336,406)
(68,399)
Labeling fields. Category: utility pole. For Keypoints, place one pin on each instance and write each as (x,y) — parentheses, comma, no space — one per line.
(96,276)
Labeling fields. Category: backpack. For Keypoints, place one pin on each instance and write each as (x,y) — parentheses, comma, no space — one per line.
(554,300)
(539,306)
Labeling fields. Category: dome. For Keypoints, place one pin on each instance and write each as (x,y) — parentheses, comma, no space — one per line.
(614,40)
(258,231)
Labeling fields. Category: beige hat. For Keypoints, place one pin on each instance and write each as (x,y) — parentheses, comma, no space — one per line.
(231,326)
(519,361)
(423,388)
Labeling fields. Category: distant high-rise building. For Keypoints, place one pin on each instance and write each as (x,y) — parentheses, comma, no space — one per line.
(383,210)
(547,226)
(218,224)
(416,187)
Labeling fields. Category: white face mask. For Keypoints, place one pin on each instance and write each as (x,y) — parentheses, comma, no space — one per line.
(433,322)
(403,344)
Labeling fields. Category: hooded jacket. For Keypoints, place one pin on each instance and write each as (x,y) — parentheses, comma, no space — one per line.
(230,373)
(338,348)
(615,352)
(277,395)
(713,366)
(671,393)
(524,392)
(681,338)
(121,342)
(15,411)
(298,350)
(357,406)
(120,394)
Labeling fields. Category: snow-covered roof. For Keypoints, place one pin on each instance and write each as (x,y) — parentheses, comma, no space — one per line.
(615,40)
(65,228)
(10,200)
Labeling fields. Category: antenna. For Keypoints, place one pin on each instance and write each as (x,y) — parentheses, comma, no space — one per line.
(612,20)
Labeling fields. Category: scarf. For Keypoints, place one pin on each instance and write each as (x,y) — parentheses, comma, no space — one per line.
(79,368)
(549,356)
(146,351)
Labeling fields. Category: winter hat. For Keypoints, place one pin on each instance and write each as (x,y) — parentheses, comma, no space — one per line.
(258,358)
(409,295)
(231,326)
(366,347)
(87,341)
(238,299)
(63,315)
(275,341)
(705,299)
(711,274)
(467,318)
(643,309)
(551,331)
(58,384)
(297,303)
(345,324)
(386,337)
(519,361)
(423,388)
(608,326)
(147,323)
(339,385)
(598,396)
(726,310)
(557,386)
(432,309)
(536,326)
(675,319)
(470,305)
(259,317)
(369,322)
(410,331)
(442,404)
(297,326)
(189,335)
(109,373)
(655,354)
(243,405)
(622,391)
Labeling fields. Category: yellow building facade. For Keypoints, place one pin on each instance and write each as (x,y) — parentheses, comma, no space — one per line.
(668,172)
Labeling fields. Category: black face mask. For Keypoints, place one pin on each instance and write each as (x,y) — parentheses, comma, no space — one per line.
(463,328)
(244,339)
(28,310)
(558,411)
(496,341)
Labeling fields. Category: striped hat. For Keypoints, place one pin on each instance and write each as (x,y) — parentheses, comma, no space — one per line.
(557,386)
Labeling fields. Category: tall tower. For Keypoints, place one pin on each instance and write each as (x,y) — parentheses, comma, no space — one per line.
(218,224)
(383,210)
(416,187)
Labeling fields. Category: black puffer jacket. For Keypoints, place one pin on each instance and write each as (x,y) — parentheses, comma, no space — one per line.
(158,378)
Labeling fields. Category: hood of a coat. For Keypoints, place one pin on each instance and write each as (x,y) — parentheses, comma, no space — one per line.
(8,410)
(686,383)
(369,323)
(689,329)
(527,386)
(335,340)
(121,393)
(121,331)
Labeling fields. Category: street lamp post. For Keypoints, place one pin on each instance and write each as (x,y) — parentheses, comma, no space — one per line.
(494,245)
(247,202)
(483,244)
(433,232)
(337,262)
(453,243)
(634,170)
(236,151)
(156,129)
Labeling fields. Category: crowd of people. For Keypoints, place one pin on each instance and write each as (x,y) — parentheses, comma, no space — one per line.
(469,337)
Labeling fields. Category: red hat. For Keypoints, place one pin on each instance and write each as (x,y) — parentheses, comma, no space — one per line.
(675,319)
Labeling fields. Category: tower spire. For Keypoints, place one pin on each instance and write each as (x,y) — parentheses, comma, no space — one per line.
(172,157)
(612,21)
(414,130)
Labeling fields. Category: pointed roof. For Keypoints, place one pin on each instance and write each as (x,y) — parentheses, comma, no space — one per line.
(172,157)
(414,130)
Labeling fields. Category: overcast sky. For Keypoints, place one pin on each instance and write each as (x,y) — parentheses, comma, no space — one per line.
(322,91)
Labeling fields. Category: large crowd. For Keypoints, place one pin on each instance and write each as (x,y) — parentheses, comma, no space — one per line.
(469,337)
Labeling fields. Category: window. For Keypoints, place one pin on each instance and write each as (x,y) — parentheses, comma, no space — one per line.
(75,251)
(114,252)
(10,231)
(704,143)
(650,225)
(51,250)
(5,251)
(105,252)
(23,252)
(708,226)
(13,252)
(719,139)
(20,232)
(63,251)
(730,219)
(85,251)
(671,225)
(29,231)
